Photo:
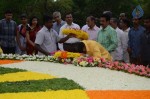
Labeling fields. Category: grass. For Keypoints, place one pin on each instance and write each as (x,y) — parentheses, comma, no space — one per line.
(39,85)
(9,70)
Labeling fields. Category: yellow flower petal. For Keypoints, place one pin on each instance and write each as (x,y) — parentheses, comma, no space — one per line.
(79,33)
(21,76)
(61,94)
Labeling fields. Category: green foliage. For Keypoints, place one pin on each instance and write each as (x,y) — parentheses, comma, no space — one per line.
(38,85)
(146,6)
(10,70)
(80,8)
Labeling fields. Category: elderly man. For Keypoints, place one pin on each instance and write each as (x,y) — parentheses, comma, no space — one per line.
(58,21)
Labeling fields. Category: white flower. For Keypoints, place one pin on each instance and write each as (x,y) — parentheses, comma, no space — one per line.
(68,60)
(83,63)
(24,55)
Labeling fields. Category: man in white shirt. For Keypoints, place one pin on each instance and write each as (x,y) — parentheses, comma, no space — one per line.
(47,38)
(91,28)
(69,24)
(118,53)
(125,25)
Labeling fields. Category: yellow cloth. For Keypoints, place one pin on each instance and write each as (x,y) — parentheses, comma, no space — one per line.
(1,51)
(95,49)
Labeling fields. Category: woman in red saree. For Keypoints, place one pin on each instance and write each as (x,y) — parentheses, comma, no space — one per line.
(31,35)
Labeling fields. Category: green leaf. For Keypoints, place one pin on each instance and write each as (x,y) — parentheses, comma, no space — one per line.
(39,85)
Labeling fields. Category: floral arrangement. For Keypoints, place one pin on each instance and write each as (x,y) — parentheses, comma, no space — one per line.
(86,61)
(65,54)
(26,57)
(79,60)
(101,62)
(65,57)
(79,33)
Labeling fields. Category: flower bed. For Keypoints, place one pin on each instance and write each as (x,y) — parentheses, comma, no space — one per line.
(79,60)
(100,62)
(16,83)
(9,61)
(65,57)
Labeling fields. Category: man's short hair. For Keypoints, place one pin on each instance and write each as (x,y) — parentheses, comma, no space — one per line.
(68,13)
(115,20)
(106,16)
(92,18)
(47,18)
(23,16)
(109,13)
(126,21)
(8,12)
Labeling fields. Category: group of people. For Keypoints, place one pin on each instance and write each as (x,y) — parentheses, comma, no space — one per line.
(114,39)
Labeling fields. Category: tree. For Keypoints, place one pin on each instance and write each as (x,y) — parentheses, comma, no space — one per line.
(146,7)
(79,8)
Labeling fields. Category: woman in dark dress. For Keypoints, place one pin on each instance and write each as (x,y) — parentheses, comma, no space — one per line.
(31,35)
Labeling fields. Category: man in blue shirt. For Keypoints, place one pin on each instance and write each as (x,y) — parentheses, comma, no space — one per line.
(134,41)
(58,21)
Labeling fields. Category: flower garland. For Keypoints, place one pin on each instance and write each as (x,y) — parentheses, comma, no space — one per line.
(65,54)
(79,60)
(79,33)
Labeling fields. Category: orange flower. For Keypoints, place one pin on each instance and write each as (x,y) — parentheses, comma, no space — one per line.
(9,61)
(63,55)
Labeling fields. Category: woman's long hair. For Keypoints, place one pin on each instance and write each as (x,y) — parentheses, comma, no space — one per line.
(31,19)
